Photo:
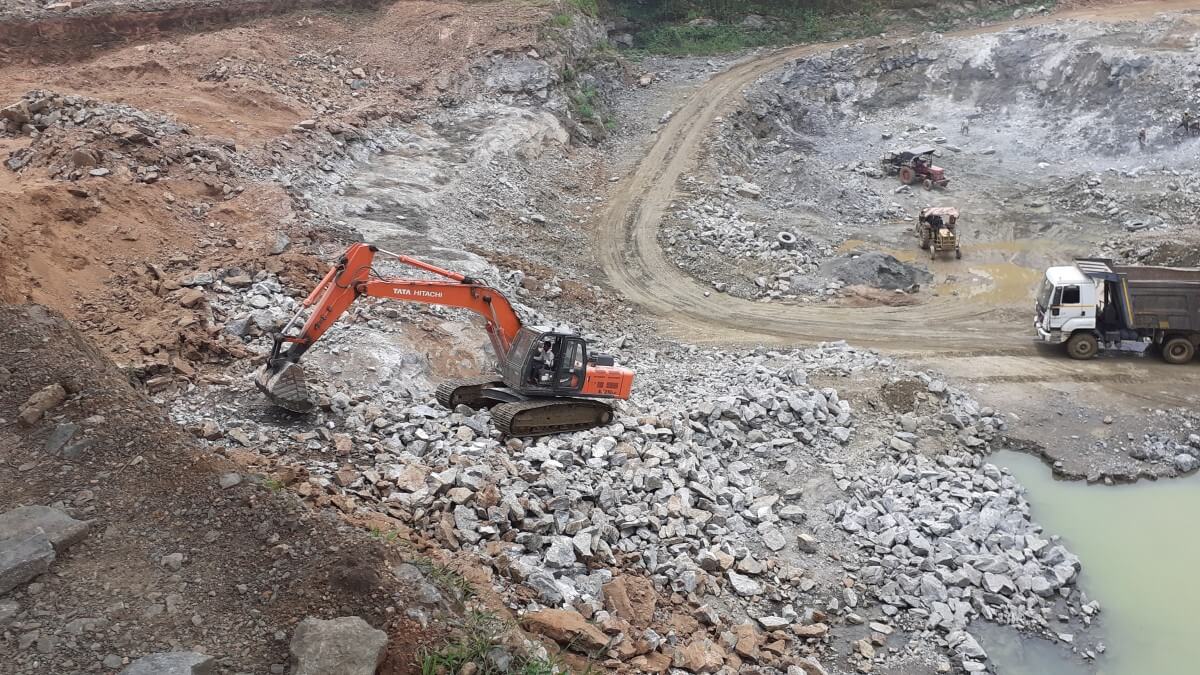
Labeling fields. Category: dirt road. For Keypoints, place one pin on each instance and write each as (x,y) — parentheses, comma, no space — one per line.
(950,334)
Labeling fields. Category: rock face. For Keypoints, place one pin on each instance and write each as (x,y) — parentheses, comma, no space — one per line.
(520,75)
(342,646)
(173,663)
(566,628)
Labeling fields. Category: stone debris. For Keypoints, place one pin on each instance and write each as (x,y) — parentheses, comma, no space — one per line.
(567,628)
(76,137)
(948,539)
(343,646)
(699,656)
(677,494)
(1179,450)
(713,224)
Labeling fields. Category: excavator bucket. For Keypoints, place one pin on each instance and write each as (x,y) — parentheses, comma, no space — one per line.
(285,387)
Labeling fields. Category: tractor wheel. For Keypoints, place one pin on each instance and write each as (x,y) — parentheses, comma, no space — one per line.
(958,254)
(1178,350)
(907,175)
(928,184)
(932,251)
(1082,346)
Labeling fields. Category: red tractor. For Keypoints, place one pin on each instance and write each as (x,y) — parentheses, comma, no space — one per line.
(915,165)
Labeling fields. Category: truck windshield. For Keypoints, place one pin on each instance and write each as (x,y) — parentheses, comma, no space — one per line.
(1044,293)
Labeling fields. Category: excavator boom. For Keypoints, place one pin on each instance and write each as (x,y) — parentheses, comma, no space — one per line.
(351,277)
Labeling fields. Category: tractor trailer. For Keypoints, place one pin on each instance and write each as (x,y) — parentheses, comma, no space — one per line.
(1096,303)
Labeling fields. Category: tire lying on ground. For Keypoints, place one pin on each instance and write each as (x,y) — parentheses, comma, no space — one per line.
(786,240)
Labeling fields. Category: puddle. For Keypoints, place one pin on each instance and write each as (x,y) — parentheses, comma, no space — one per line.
(1002,273)
(1007,284)
(1140,560)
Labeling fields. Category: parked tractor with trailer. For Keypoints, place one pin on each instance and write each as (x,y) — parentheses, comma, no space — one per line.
(1096,303)
(915,165)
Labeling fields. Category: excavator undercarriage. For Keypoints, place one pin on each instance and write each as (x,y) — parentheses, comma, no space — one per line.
(515,414)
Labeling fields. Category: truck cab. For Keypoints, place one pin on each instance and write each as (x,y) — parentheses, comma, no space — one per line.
(1066,302)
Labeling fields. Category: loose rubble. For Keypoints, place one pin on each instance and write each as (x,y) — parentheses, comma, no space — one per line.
(75,137)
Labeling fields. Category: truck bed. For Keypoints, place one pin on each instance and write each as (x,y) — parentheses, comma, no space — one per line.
(1164,298)
(1138,274)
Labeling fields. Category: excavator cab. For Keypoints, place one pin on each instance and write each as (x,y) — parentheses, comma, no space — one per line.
(544,362)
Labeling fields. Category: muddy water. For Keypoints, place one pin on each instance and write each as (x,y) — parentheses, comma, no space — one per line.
(1141,559)
(997,273)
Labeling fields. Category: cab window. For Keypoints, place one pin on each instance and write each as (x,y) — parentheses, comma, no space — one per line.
(1070,295)
(571,370)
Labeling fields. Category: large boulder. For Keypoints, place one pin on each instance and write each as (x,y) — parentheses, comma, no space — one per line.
(343,646)
(62,530)
(23,558)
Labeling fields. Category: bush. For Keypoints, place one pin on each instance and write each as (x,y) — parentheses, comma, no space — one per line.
(588,7)
(704,40)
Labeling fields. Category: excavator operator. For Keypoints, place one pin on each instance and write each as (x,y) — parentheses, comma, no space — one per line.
(546,357)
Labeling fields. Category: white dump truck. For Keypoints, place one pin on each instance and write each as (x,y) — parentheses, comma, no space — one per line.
(1095,303)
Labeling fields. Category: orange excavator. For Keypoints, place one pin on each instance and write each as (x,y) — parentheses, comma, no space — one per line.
(548,380)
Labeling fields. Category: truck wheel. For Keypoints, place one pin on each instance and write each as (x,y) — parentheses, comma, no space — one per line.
(1178,350)
(1082,346)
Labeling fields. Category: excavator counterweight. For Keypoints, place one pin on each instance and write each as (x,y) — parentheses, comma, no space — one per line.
(549,381)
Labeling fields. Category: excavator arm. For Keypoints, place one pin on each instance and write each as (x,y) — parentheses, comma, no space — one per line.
(283,381)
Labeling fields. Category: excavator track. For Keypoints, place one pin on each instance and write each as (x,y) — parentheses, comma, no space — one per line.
(542,417)
(468,392)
